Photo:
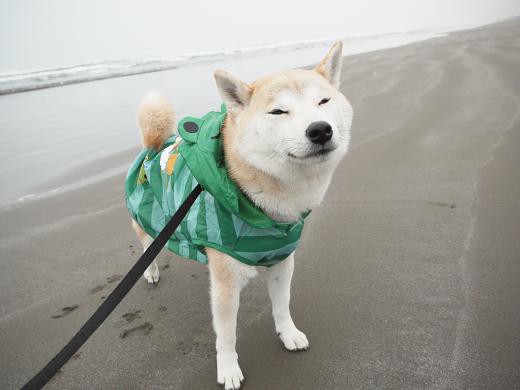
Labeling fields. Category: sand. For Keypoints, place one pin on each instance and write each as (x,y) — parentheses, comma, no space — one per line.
(407,276)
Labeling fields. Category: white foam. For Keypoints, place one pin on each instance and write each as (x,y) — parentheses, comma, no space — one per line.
(26,197)
(17,81)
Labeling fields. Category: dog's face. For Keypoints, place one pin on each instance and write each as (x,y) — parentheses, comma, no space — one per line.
(293,119)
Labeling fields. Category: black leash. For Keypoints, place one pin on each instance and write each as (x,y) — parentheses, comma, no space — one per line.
(116,296)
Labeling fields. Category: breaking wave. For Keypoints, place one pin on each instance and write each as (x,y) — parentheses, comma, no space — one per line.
(28,80)
(20,81)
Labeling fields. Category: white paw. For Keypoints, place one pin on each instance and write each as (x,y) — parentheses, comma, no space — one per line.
(229,373)
(293,339)
(152,273)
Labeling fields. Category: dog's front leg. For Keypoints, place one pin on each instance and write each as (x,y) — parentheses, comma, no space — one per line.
(228,277)
(279,278)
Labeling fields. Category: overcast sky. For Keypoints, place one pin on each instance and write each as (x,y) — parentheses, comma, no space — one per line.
(53,33)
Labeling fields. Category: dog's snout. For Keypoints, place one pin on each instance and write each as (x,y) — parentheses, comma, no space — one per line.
(319,132)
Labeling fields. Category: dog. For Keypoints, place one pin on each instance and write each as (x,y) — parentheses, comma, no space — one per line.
(282,138)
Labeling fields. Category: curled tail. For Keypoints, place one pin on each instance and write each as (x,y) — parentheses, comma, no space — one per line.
(156,120)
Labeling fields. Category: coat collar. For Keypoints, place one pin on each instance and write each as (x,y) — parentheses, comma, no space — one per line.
(202,150)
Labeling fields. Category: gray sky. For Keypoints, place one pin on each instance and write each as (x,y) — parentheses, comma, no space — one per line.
(53,33)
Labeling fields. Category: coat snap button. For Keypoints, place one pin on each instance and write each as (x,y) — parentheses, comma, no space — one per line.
(191,127)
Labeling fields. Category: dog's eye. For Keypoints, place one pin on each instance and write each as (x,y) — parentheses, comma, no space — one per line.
(277,111)
(324,101)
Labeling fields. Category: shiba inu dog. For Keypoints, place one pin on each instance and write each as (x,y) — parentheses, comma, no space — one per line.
(282,138)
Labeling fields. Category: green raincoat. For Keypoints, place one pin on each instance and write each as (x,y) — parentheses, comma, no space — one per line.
(222,217)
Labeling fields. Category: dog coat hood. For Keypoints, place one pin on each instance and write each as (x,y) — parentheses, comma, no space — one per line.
(222,217)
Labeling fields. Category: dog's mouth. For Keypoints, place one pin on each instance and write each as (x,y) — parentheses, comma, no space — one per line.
(320,154)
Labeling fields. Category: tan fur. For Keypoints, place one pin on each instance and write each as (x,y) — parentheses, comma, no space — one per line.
(263,92)
(156,120)
(220,269)
(278,195)
(265,88)
(331,61)
(242,173)
(141,234)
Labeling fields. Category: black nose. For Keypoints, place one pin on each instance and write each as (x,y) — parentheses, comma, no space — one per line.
(319,132)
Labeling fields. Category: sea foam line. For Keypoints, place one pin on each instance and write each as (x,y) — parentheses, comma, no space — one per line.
(27,80)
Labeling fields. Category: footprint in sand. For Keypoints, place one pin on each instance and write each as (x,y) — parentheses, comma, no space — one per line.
(76,355)
(110,279)
(442,204)
(97,289)
(132,315)
(145,329)
(64,311)
(114,278)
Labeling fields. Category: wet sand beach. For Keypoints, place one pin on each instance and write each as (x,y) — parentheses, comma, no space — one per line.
(407,276)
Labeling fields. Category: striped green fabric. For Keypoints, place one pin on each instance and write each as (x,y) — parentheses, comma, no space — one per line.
(222,217)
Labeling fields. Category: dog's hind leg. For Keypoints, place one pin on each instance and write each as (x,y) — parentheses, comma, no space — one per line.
(228,277)
(279,278)
(152,272)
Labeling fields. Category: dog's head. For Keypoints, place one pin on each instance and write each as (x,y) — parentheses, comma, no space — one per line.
(296,118)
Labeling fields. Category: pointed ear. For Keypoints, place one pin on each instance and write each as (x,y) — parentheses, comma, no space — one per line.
(330,66)
(235,93)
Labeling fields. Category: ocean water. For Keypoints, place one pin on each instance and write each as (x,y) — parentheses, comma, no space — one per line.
(51,34)
(56,139)
(22,81)
(100,58)
(57,42)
